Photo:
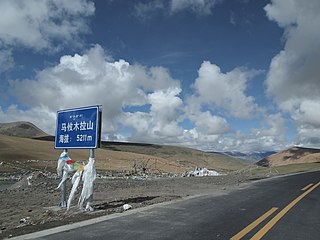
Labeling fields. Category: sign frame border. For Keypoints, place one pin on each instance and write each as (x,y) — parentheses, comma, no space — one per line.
(98,126)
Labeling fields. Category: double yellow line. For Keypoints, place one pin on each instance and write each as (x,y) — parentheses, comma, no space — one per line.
(274,220)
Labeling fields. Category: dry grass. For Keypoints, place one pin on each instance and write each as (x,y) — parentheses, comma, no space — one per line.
(23,153)
(294,155)
(260,172)
(187,157)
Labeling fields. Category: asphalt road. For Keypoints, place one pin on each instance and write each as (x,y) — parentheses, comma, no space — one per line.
(281,208)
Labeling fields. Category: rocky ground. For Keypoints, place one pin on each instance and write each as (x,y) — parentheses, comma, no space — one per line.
(33,207)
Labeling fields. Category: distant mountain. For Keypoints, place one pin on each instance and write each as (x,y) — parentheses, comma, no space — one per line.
(251,157)
(21,129)
(292,155)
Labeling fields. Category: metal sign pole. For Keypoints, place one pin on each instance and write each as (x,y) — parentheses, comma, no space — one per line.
(63,203)
(92,153)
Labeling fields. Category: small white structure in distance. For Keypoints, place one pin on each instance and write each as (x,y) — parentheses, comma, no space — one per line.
(202,172)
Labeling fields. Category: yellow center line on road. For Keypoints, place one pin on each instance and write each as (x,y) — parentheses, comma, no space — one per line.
(273,221)
(251,226)
(306,187)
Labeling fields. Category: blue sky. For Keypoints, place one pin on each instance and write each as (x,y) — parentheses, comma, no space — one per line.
(216,75)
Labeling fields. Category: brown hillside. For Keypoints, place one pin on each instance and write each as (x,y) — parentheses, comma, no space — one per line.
(21,129)
(294,155)
(187,157)
(30,154)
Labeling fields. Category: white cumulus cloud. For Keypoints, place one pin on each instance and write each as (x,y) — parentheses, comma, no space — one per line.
(210,125)
(92,78)
(161,123)
(293,78)
(45,24)
(225,90)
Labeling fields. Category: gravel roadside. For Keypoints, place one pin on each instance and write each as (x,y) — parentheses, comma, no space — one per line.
(29,208)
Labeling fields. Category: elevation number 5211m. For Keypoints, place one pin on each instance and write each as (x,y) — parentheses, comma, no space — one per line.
(84,138)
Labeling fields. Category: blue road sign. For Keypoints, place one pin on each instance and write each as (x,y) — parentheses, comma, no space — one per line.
(78,128)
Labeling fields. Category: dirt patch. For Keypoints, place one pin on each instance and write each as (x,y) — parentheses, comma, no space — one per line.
(33,206)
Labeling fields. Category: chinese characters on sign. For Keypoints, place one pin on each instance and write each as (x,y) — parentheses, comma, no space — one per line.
(78,128)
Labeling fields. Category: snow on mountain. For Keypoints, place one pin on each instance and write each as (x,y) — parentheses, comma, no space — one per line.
(251,157)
